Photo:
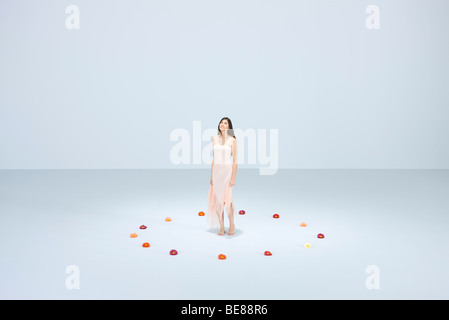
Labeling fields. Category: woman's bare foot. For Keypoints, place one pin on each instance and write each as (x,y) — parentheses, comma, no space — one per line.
(221,232)
(231,230)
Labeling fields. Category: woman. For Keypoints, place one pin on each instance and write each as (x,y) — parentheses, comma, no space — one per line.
(222,177)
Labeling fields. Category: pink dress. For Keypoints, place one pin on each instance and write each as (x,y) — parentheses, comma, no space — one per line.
(220,192)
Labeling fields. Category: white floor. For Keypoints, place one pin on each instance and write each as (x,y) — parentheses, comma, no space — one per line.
(396,220)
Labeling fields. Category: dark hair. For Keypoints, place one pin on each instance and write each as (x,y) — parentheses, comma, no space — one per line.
(230,132)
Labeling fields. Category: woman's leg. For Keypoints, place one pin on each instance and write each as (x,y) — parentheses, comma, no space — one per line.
(221,221)
(230,212)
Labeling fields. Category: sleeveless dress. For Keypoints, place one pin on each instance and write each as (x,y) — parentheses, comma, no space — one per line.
(220,193)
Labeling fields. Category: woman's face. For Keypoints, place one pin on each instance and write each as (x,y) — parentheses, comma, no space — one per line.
(224,125)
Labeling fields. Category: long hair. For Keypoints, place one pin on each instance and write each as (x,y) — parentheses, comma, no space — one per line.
(231,129)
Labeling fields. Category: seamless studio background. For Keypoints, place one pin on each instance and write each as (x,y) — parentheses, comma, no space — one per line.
(341,93)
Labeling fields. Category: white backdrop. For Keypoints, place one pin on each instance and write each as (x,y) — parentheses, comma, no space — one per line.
(103,84)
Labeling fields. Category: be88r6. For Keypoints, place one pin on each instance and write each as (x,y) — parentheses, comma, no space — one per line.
(246,309)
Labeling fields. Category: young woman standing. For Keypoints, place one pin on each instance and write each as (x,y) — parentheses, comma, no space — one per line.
(222,179)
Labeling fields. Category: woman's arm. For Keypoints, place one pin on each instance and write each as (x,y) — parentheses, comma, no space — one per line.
(212,166)
(212,171)
(234,164)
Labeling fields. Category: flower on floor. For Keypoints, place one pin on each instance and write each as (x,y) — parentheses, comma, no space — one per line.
(173,252)
(133,235)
